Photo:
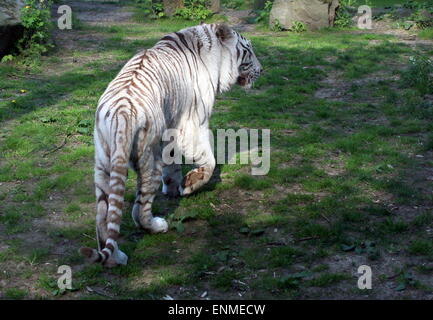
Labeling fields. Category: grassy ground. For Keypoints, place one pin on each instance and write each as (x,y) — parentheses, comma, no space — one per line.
(350,179)
(426,33)
(384,3)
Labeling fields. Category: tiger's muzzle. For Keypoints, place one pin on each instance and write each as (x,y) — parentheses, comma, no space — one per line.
(247,79)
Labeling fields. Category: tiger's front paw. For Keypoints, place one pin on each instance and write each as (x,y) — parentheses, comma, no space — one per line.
(193,181)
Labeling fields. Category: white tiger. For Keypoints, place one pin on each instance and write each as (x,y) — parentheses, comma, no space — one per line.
(172,85)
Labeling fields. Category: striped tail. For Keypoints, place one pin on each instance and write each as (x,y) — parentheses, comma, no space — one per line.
(121,138)
(103,256)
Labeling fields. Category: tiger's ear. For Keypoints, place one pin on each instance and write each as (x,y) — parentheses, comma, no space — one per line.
(224,32)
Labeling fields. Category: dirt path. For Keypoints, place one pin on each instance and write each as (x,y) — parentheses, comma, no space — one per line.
(237,19)
(98,13)
(408,37)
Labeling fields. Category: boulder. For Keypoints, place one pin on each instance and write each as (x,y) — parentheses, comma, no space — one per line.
(10,24)
(215,6)
(170,6)
(10,12)
(425,19)
(259,4)
(314,14)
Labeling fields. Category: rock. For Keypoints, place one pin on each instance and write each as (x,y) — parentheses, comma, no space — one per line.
(10,24)
(215,6)
(170,6)
(425,19)
(314,14)
(259,4)
(401,12)
(9,35)
(10,12)
(426,15)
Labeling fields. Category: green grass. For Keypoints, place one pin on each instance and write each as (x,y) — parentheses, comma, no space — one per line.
(426,33)
(347,169)
(15,294)
(386,3)
(328,279)
(248,182)
(421,247)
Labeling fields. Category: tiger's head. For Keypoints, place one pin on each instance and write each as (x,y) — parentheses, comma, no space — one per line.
(248,65)
(243,59)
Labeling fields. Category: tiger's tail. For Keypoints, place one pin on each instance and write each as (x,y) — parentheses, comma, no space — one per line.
(121,140)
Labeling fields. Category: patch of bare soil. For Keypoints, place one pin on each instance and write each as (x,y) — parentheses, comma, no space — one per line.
(387,269)
(93,13)
(336,88)
(25,273)
(385,278)
(99,13)
(408,37)
(237,19)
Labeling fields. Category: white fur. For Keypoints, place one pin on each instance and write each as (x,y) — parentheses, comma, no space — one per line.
(176,82)
(164,188)
(120,257)
(158,225)
(113,226)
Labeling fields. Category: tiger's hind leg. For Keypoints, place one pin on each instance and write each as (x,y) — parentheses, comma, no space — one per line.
(102,190)
(149,171)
